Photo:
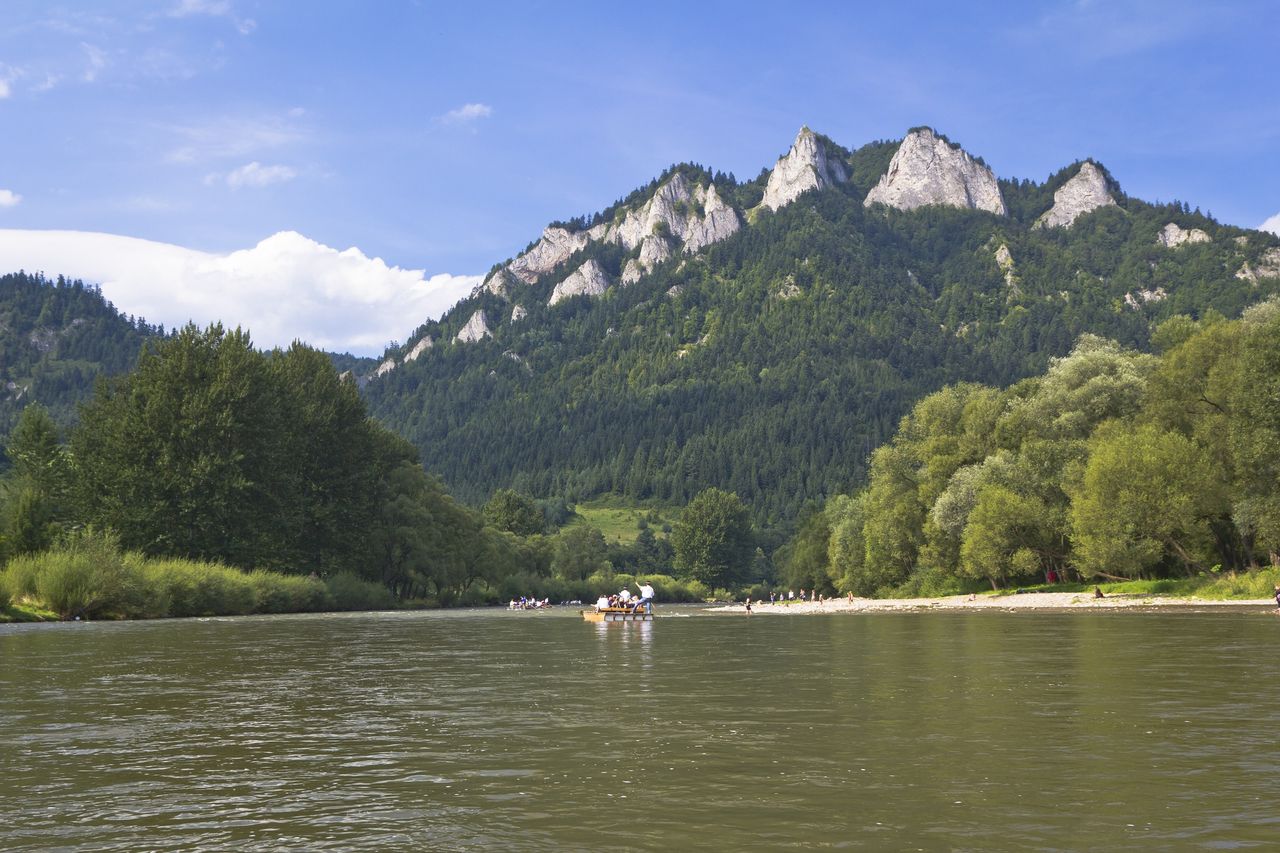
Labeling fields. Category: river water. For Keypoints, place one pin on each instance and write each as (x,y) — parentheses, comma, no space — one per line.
(496,730)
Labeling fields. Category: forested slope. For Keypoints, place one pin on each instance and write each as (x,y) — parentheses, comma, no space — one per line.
(773,362)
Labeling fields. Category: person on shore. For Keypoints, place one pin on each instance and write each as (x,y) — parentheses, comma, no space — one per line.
(748,605)
(802,593)
(771,597)
(1278,599)
(791,594)
(1097,592)
(644,600)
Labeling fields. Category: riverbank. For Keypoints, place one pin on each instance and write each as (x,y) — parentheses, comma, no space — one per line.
(1022,601)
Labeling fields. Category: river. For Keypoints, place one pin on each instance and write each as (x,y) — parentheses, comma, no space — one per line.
(484,729)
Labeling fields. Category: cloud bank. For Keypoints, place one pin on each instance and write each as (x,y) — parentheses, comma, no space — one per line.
(1272,225)
(286,288)
(9,198)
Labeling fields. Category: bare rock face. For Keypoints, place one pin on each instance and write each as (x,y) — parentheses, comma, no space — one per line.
(554,248)
(805,167)
(385,368)
(1171,236)
(1142,297)
(718,222)
(632,272)
(927,170)
(518,313)
(477,329)
(499,283)
(1004,260)
(669,211)
(1268,266)
(419,348)
(590,279)
(1086,191)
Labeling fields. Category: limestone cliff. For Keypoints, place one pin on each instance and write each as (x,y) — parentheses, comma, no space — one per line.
(719,221)
(927,170)
(590,279)
(477,329)
(385,368)
(552,249)
(805,167)
(419,348)
(499,283)
(518,313)
(1171,236)
(1086,191)
(1268,266)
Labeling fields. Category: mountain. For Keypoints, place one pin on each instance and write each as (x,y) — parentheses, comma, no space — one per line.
(764,336)
(56,338)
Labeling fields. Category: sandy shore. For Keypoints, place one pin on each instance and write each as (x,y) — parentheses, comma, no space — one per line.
(1025,601)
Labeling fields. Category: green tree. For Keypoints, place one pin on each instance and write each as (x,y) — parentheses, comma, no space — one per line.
(580,551)
(1147,495)
(38,486)
(713,540)
(513,512)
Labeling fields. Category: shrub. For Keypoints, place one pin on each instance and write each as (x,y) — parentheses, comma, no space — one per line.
(88,577)
(277,593)
(349,592)
(6,597)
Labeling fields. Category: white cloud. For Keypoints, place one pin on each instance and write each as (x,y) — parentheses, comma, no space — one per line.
(5,89)
(226,138)
(285,288)
(255,175)
(9,198)
(467,113)
(95,61)
(214,9)
(1272,225)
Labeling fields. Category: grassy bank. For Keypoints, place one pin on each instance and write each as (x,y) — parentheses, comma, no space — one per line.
(1260,583)
(89,577)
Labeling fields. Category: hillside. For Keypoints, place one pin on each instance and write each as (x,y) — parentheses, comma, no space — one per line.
(765,336)
(56,338)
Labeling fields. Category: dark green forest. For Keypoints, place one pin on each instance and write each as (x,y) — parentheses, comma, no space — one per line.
(56,338)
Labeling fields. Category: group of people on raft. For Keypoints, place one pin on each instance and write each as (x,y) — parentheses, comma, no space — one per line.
(624,600)
(523,603)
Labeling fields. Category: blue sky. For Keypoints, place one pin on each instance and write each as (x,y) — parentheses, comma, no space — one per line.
(440,137)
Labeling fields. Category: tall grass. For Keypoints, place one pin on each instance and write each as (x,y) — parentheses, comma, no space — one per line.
(89,577)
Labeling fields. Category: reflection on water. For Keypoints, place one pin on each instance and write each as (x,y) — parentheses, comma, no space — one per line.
(480,729)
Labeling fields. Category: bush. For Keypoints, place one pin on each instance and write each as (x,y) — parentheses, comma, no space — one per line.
(6,597)
(277,593)
(87,577)
(348,592)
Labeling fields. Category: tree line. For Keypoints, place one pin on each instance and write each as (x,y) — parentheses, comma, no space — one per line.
(1112,464)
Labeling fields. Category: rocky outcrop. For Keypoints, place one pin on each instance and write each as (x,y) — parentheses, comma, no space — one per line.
(927,170)
(499,283)
(1268,266)
(1086,191)
(477,329)
(1004,260)
(1142,297)
(632,272)
(518,313)
(718,221)
(684,212)
(805,167)
(419,348)
(590,279)
(1171,236)
(554,248)
(385,368)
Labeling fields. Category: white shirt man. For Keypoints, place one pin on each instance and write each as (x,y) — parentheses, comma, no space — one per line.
(602,603)
(646,596)
(625,595)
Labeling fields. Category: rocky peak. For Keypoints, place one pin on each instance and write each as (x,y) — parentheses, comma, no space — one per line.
(590,279)
(1268,266)
(477,329)
(1172,236)
(718,222)
(518,313)
(805,167)
(927,170)
(552,249)
(1086,191)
